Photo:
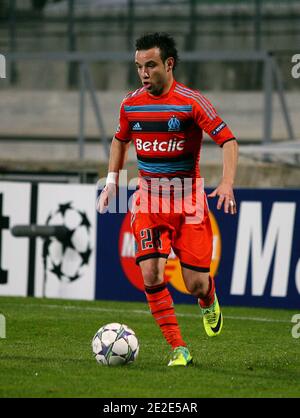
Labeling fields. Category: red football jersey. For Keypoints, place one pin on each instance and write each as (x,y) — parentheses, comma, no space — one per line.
(167,130)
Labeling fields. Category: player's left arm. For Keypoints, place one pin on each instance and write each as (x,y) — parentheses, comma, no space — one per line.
(207,119)
(224,191)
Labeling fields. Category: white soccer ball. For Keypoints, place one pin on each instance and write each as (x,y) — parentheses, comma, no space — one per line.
(115,344)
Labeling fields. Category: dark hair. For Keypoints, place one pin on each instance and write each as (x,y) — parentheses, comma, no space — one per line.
(161,40)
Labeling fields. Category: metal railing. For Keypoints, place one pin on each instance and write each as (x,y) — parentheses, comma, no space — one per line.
(272,75)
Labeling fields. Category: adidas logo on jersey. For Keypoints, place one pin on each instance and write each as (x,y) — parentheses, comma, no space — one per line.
(137,127)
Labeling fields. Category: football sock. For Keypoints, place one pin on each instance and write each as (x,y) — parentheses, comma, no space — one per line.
(208,300)
(161,306)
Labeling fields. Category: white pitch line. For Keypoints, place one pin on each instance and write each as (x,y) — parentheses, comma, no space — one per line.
(139,312)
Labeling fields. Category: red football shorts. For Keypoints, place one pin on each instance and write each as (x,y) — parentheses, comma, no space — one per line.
(157,233)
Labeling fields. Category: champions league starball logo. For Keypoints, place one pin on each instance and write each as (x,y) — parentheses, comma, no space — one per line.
(68,257)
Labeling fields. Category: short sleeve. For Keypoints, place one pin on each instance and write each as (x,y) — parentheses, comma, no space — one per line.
(207,119)
(123,132)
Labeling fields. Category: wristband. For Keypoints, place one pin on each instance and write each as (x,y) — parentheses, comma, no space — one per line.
(112,178)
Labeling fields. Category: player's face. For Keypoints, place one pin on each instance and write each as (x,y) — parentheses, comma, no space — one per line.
(155,74)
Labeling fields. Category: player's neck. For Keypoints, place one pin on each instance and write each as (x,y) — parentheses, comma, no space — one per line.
(169,85)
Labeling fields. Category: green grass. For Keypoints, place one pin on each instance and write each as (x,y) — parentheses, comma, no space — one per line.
(47,353)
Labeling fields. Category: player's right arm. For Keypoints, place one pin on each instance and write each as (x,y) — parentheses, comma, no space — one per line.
(118,154)
(117,160)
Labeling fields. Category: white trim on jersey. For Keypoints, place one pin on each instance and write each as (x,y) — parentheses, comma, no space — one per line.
(201,100)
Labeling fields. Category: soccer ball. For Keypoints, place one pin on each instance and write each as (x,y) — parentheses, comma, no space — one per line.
(115,344)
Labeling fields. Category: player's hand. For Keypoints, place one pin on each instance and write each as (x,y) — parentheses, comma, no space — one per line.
(226,197)
(108,192)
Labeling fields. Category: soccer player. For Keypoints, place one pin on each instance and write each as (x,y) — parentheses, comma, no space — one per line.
(166,120)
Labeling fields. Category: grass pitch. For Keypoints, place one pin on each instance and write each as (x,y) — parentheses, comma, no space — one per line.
(47,353)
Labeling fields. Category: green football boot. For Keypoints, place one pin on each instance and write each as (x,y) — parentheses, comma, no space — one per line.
(181,357)
(212,319)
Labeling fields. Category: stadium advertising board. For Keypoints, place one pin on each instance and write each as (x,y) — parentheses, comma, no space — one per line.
(66,269)
(47,266)
(14,252)
(256,257)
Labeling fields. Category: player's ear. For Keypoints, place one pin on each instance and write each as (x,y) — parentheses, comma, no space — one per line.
(170,64)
